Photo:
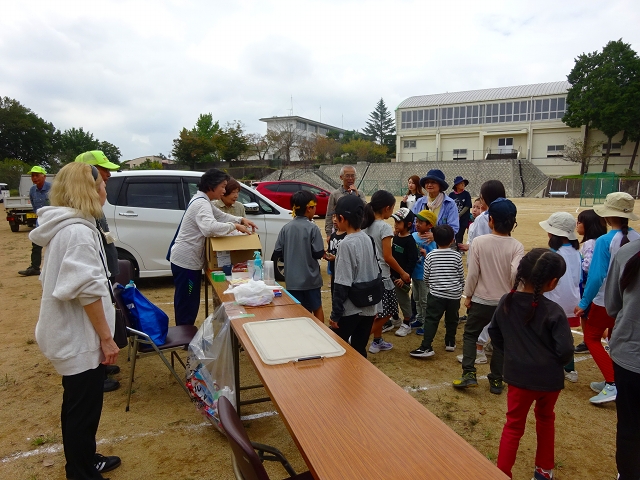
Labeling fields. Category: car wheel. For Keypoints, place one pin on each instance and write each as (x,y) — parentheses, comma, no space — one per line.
(14,226)
(123,255)
(280,270)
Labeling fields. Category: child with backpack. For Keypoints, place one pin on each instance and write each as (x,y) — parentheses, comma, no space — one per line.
(534,336)
(355,263)
(492,264)
(444,277)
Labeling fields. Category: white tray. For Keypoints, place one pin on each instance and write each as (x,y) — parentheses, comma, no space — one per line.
(283,340)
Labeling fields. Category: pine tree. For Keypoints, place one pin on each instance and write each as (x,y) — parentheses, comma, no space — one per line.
(381,125)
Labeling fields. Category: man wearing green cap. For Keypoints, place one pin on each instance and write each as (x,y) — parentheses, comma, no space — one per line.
(39,197)
(104,166)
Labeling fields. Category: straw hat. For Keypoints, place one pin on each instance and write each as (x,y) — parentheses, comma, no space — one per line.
(617,204)
(561,224)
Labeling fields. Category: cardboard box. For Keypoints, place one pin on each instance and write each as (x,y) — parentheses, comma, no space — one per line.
(237,248)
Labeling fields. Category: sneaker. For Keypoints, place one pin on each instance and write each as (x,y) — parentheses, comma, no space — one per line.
(572,376)
(488,349)
(450,348)
(608,394)
(112,369)
(581,348)
(110,385)
(416,324)
(397,323)
(479,358)
(404,330)
(376,347)
(420,331)
(106,464)
(468,380)
(387,327)
(541,474)
(29,272)
(420,353)
(462,318)
(597,386)
(496,386)
(606,346)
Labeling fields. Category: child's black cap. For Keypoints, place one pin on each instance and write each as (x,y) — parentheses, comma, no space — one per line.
(502,209)
(348,205)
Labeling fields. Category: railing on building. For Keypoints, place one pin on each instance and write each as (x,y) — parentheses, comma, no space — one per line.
(453,155)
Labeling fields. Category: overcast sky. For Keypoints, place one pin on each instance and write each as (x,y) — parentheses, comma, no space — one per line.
(135,72)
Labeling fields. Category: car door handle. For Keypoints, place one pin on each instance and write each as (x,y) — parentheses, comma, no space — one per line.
(128,214)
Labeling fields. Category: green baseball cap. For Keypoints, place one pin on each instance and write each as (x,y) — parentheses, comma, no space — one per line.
(97,158)
(37,169)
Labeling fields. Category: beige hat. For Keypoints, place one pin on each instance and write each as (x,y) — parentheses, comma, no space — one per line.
(561,224)
(617,204)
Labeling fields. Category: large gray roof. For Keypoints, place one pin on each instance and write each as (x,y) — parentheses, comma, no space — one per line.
(488,94)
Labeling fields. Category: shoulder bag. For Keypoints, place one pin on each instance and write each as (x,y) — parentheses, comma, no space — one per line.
(366,294)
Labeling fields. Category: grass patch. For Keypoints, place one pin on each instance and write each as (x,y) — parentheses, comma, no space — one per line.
(31,341)
(43,440)
(491,457)
(7,381)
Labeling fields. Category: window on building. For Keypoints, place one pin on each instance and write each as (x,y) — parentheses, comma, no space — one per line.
(549,108)
(615,149)
(555,151)
(301,125)
(459,153)
(505,142)
(409,144)
(323,131)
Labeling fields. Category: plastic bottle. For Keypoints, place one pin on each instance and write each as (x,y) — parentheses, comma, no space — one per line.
(130,284)
(257,265)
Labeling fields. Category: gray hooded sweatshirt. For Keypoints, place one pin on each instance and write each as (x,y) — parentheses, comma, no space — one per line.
(72,276)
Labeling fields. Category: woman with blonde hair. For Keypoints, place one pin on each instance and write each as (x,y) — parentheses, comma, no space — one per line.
(77,318)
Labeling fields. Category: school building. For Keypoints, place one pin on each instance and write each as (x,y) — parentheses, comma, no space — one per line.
(522,122)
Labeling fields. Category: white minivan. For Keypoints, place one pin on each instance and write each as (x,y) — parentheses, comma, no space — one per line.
(144,209)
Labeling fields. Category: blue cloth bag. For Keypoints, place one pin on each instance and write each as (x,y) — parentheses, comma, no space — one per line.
(145,315)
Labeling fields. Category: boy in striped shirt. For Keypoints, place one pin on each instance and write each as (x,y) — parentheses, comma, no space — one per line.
(444,276)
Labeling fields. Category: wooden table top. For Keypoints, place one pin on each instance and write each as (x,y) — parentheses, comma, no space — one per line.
(350,421)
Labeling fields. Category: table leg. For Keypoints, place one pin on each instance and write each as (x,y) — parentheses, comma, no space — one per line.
(206,297)
(235,347)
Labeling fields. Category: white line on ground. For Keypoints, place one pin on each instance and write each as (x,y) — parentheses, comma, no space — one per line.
(52,449)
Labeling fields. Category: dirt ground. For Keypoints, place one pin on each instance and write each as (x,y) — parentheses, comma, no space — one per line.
(163,436)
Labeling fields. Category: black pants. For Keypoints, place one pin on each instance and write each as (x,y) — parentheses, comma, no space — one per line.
(36,256)
(478,316)
(436,307)
(186,299)
(628,432)
(464,224)
(81,410)
(358,328)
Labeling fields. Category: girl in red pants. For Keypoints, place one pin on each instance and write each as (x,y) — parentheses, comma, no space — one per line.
(535,337)
(617,210)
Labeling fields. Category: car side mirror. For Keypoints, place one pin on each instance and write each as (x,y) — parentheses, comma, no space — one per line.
(252,208)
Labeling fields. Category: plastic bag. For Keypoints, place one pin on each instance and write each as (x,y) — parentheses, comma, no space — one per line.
(210,369)
(145,315)
(253,293)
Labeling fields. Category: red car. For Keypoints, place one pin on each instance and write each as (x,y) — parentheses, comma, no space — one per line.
(281,192)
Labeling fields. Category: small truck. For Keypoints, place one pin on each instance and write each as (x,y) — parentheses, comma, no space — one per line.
(19,209)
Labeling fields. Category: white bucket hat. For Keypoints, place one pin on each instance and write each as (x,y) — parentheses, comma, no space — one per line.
(617,204)
(561,224)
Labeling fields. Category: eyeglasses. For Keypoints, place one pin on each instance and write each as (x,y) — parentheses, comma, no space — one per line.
(349,175)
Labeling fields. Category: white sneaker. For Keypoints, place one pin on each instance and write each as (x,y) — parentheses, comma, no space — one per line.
(597,386)
(608,394)
(479,358)
(376,347)
(397,323)
(450,348)
(404,330)
(571,376)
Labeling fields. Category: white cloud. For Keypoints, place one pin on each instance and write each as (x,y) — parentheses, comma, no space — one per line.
(136,72)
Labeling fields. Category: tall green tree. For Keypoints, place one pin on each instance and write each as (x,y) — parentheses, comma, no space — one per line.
(11,170)
(73,142)
(233,142)
(25,136)
(112,152)
(381,125)
(604,93)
